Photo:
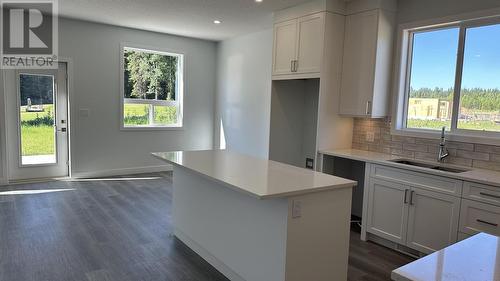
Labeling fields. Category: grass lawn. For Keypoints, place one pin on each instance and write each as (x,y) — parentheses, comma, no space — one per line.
(138,115)
(437,125)
(37,140)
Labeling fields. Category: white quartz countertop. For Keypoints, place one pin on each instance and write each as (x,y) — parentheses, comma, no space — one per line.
(476,258)
(257,177)
(487,177)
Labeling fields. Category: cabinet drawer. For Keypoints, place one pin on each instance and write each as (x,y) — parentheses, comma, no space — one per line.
(481,192)
(422,180)
(478,217)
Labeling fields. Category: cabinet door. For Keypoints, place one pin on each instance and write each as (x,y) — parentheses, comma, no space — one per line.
(387,210)
(358,68)
(285,47)
(311,31)
(433,220)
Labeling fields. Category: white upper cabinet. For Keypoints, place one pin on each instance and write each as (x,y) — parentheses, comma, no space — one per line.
(367,64)
(310,43)
(298,47)
(284,53)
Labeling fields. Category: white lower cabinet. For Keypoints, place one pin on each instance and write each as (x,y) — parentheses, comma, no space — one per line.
(388,210)
(427,212)
(432,221)
(479,217)
(412,216)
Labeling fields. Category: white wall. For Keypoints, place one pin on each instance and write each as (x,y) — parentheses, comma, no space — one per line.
(415,10)
(244,92)
(98,144)
(2,133)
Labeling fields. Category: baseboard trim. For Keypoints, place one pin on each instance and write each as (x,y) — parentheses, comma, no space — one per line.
(202,252)
(121,172)
(394,246)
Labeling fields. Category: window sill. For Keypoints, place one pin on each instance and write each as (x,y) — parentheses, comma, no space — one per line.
(456,137)
(152,128)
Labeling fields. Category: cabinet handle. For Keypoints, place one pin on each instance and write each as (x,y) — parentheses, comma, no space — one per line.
(368,107)
(296,66)
(487,222)
(411,197)
(406,196)
(292,65)
(489,195)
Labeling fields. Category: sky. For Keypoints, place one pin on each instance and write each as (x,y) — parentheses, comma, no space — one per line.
(434,58)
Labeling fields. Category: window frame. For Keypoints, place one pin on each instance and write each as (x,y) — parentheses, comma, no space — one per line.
(181,88)
(403,76)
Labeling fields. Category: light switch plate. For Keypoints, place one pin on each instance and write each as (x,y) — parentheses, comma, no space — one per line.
(83,112)
(296,209)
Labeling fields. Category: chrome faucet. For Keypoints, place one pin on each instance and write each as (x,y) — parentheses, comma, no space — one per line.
(443,151)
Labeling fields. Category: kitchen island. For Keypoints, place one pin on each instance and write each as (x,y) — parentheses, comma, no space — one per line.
(255,219)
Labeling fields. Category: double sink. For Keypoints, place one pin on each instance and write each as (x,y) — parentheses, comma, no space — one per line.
(429,166)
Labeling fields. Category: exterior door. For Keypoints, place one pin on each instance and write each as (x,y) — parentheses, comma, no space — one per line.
(37,118)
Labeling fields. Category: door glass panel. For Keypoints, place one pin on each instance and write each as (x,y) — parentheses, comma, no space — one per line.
(37,114)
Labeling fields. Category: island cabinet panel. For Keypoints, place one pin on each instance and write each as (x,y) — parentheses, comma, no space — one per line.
(315,235)
(241,236)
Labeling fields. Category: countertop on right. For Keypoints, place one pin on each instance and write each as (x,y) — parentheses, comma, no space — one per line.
(475,258)
(482,176)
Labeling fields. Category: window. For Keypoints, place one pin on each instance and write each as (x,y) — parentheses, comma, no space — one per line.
(452,79)
(152,89)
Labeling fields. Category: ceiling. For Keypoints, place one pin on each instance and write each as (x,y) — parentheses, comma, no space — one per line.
(193,18)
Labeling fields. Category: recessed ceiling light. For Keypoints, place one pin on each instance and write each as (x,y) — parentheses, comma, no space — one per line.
(258,1)
(217,22)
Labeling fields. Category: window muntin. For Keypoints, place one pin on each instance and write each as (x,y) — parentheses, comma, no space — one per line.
(461,107)
(152,88)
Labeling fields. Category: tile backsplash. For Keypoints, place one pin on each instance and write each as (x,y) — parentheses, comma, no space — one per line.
(375,135)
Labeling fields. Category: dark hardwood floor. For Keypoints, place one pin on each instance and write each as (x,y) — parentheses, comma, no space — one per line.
(118,229)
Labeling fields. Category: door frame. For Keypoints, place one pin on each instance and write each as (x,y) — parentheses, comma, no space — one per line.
(4,142)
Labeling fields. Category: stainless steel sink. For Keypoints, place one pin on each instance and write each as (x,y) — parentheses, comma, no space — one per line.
(429,166)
